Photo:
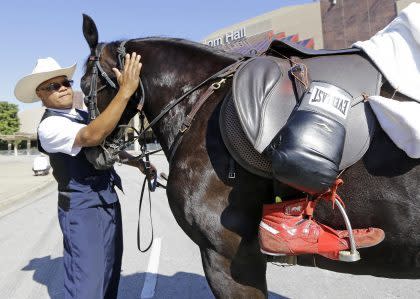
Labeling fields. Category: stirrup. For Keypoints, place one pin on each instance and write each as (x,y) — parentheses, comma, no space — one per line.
(351,255)
(345,255)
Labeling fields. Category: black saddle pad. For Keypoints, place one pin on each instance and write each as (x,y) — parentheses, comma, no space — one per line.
(238,144)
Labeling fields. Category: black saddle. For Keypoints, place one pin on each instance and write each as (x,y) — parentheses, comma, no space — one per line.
(264,94)
(285,48)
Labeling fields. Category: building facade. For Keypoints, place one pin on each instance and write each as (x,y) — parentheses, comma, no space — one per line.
(331,24)
(344,23)
(301,23)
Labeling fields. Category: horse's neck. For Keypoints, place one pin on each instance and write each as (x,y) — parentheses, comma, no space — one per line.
(172,76)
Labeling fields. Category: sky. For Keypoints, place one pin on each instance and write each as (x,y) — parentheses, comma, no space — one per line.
(32,29)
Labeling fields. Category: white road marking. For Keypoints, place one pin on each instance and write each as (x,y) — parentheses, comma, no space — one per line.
(152,270)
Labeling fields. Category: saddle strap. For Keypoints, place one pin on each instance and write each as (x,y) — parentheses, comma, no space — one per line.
(222,75)
(190,117)
(301,78)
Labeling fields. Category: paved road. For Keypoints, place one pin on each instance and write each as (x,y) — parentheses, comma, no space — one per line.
(17,180)
(31,257)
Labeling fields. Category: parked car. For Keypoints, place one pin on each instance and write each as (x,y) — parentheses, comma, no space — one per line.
(41,165)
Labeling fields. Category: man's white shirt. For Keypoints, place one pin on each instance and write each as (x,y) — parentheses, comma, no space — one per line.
(57,134)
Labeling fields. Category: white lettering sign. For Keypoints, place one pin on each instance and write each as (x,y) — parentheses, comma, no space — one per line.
(228,37)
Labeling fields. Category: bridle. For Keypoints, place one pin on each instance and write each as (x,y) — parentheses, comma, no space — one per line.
(118,144)
(114,147)
(98,70)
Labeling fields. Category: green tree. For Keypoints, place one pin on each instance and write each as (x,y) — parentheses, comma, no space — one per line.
(9,121)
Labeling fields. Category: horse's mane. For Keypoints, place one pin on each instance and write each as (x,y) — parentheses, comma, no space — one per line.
(113,46)
(191,44)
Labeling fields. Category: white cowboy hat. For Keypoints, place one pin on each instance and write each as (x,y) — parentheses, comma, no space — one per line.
(45,69)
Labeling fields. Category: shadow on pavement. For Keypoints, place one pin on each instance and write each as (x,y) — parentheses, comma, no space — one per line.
(363,267)
(49,272)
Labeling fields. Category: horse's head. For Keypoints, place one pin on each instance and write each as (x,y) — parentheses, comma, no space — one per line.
(171,69)
(99,83)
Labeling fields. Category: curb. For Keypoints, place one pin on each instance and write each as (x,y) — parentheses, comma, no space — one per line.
(23,196)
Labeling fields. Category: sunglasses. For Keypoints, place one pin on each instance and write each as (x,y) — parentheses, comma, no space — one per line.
(55,86)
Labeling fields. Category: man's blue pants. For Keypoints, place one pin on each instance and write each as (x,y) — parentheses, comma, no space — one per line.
(93,249)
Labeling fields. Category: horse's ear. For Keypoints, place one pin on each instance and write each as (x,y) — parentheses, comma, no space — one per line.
(90,32)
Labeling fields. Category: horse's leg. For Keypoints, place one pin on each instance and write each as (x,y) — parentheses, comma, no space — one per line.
(241,277)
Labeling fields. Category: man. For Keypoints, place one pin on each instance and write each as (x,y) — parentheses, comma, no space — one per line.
(88,208)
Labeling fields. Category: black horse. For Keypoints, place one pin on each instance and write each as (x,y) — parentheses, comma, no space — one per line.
(221,215)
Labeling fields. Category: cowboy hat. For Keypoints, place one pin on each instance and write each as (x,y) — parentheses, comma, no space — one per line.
(45,69)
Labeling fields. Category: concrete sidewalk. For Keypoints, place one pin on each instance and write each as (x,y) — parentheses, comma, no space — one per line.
(18,182)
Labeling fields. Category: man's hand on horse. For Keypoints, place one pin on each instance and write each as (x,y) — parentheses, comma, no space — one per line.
(129,78)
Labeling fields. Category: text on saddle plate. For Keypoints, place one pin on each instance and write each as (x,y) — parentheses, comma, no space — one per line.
(330,101)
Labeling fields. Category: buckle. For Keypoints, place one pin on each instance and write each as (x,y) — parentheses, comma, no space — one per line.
(184,128)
